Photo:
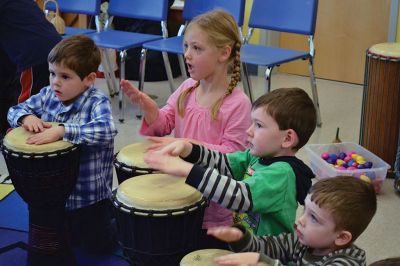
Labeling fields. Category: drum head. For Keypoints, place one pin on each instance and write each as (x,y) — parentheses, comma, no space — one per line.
(133,155)
(204,257)
(157,192)
(386,49)
(16,140)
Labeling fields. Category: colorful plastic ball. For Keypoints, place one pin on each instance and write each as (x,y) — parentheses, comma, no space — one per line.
(347,158)
(354,156)
(325,155)
(333,156)
(351,168)
(349,153)
(339,162)
(345,165)
(331,161)
(361,166)
(365,178)
(342,155)
(350,163)
(368,164)
(360,158)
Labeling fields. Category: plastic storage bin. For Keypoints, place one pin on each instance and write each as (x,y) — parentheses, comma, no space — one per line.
(322,169)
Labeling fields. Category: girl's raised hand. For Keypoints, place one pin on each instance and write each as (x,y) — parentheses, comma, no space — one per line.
(225,233)
(148,105)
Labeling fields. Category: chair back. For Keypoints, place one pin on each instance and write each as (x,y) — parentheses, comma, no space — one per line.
(88,7)
(193,8)
(156,10)
(293,16)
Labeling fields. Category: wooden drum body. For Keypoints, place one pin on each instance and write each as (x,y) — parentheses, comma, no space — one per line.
(129,161)
(159,218)
(380,119)
(44,176)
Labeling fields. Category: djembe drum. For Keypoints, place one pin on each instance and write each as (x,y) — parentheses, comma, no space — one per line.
(44,176)
(380,119)
(159,218)
(129,161)
(203,257)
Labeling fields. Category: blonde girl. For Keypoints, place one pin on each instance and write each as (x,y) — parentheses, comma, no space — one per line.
(208,108)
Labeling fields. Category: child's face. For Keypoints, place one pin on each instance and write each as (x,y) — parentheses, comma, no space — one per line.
(66,84)
(316,228)
(202,57)
(264,136)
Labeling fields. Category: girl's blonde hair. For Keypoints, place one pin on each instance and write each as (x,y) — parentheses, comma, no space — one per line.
(222,31)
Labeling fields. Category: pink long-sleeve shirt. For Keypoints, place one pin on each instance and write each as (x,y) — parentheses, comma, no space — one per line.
(226,134)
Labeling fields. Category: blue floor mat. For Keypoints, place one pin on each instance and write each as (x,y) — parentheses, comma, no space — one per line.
(17,256)
(13,212)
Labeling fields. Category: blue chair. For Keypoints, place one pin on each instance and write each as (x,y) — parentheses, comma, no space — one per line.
(292,16)
(156,10)
(174,45)
(85,7)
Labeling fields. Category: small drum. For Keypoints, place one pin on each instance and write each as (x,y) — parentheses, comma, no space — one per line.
(380,119)
(159,218)
(129,161)
(204,257)
(44,176)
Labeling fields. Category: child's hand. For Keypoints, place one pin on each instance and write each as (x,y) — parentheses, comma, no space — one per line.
(225,233)
(34,124)
(148,105)
(157,143)
(167,164)
(47,136)
(238,259)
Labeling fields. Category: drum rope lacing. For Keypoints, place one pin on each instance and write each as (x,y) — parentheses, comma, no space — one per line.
(19,154)
(382,57)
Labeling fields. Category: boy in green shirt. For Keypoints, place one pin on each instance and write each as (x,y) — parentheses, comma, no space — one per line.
(263,183)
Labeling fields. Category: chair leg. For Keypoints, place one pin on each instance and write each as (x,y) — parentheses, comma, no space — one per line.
(142,68)
(182,66)
(268,73)
(246,81)
(122,56)
(109,73)
(314,91)
(168,70)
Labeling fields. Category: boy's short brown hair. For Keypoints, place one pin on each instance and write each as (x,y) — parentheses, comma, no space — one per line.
(78,53)
(291,108)
(351,201)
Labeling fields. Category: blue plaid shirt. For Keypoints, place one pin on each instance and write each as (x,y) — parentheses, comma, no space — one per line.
(88,122)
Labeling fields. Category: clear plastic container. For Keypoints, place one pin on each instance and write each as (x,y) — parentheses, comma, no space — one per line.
(322,169)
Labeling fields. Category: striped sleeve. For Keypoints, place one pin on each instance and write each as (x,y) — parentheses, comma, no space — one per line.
(222,189)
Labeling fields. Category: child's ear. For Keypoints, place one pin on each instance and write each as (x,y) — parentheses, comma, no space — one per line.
(89,79)
(343,238)
(225,53)
(291,139)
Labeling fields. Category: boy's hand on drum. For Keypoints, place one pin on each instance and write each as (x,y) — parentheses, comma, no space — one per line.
(47,136)
(239,259)
(148,105)
(34,124)
(167,164)
(225,233)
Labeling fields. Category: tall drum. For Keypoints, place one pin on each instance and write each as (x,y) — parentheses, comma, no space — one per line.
(159,219)
(44,176)
(380,119)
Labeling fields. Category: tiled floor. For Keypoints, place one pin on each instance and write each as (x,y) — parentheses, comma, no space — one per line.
(340,105)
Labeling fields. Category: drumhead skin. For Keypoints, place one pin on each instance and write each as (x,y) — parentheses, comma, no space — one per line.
(203,257)
(389,49)
(16,138)
(133,155)
(157,192)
